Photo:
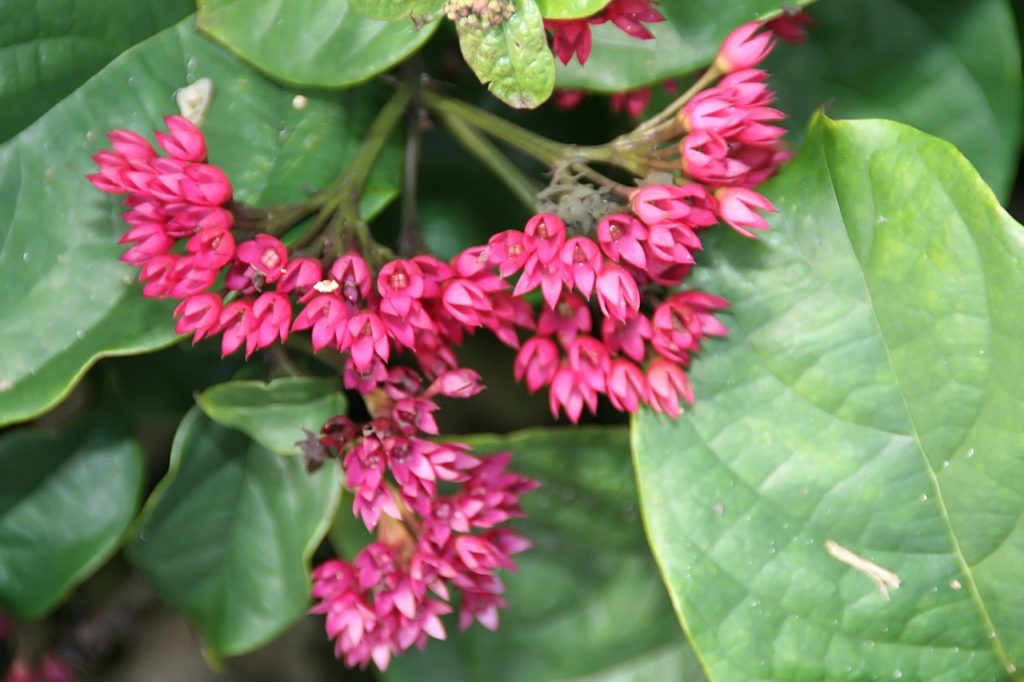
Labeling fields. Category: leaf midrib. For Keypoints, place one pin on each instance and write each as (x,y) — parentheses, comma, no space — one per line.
(937,497)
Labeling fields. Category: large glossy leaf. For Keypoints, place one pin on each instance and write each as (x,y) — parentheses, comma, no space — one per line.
(586,603)
(322,43)
(276,415)
(570,9)
(512,59)
(228,534)
(868,405)
(390,10)
(66,300)
(951,69)
(66,499)
(50,47)
(688,39)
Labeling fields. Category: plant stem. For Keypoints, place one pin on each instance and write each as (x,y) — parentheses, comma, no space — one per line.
(338,204)
(669,112)
(542,149)
(410,242)
(279,356)
(483,149)
(539,147)
(603,180)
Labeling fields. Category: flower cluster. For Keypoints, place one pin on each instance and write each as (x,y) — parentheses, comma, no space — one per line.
(627,256)
(572,36)
(634,344)
(421,304)
(731,141)
(395,591)
(379,605)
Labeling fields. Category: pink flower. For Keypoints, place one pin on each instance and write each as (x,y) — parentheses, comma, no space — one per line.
(300,275)
(738,208)
(414,414)
(666,273)
(235,325)
(761,162)
(206,185)
(185,142)
(706,159)
(434,273)
(508,251)
(186,219)
(566,99)
(158,274)
(581,261)
(570,392)
(149,239)
(272,317)
(364,379)
(632,102)
(690,204)
(456,383)
(628,15)
(566,320)
(672,242)
(536,363)
(627,336)
(627,387)
(682,322)
(620,236)
(400,282)
(591,361)
(198,314)
(617,293)
(465,301)
(366,337)
(471,262)
(365,465)
(353,275)
(212,248)
(668,383)
(327,316)
(409,463)
(746,88)
(481,606)
(131,145)
(546,275)
(264,254)
(569,37)
(190,278)
(791,26)
(744,48)
(544,236)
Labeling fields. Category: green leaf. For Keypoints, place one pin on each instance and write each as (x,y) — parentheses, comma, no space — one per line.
(228,534)
(50,47)
(278,414)
(67,301)
(512,59)
(570,9)
(391,10)
(66,499)
(687,40)
(949,69)
(870,394)
(320,43)
(586,603)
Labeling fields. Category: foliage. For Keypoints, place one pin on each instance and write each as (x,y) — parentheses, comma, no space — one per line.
(842,500)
